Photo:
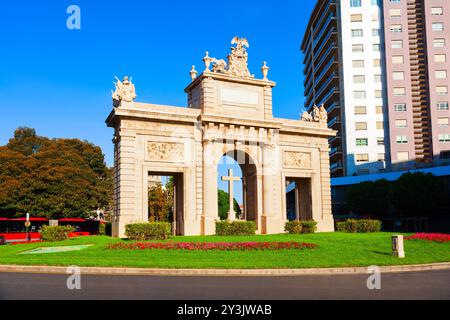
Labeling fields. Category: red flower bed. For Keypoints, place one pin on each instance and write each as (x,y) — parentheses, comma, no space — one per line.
(436,237)
(222,246)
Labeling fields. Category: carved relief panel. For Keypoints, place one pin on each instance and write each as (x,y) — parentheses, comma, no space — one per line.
(296,160)
(165,151)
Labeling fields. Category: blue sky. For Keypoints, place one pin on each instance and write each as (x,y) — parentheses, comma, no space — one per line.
(59,81)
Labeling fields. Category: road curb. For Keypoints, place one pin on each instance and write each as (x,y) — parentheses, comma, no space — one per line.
(223,272)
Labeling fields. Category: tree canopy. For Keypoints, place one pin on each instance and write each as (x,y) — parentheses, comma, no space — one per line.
(369,198)
(224,206)
(161,202)
(418,194)
(413,194)
(52,178)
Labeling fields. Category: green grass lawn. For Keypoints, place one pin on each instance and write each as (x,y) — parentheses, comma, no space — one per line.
(335,250)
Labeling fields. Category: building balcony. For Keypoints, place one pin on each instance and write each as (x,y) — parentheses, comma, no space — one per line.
(334,121)
(335,166)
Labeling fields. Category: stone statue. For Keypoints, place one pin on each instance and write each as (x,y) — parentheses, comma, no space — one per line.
(237,59)
(125,91)
(219,66)
(318,114)
(315,113)
(306,116)
(323,114)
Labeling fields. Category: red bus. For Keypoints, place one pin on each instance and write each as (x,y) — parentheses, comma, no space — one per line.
(15,230)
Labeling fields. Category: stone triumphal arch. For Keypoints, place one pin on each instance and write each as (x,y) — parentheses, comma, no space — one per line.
(229,112)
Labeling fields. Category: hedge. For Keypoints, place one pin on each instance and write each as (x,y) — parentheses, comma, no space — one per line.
(361,226)
(55,233)
(104,229)
(148,231)
(297,227)
(235,228)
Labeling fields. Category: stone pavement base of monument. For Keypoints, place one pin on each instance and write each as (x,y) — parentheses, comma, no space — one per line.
(333,250)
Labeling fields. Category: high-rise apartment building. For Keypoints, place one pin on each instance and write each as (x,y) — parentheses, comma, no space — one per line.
(380,67)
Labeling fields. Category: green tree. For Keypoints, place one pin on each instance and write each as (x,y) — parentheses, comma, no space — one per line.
(369,198)
(223,203)
(158,204)
(417,194)
(52,178)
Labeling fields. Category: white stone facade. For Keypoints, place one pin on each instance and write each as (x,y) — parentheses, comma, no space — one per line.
(229,112)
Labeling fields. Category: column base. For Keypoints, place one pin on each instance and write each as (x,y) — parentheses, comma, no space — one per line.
(272,225)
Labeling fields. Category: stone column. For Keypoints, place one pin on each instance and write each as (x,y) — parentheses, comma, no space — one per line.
(210,206)
(125,185)
(267,185)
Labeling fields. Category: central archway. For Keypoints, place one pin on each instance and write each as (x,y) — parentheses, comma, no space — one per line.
(249,182)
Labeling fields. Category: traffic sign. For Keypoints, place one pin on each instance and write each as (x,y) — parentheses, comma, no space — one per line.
(27,224)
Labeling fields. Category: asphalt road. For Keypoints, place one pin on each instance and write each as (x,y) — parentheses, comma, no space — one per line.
(410,285)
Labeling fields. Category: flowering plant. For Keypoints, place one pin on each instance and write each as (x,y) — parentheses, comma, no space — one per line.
(436,237)
(221,246)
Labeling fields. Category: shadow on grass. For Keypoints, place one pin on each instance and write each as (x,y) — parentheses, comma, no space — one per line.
(379,252)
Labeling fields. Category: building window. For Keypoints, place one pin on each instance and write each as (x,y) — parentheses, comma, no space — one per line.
(378,93)
(394,1)
(440,74)
(360,110)
(381,157)
(375,16)
(376,32)
(400,107)
(356,18)
(397,59)
(439,43)
(380,125)
(440,58)
(442,105)
(376,62)
(359,94)
(362,157)
(401,139)
(398,75)
(397,44)
(359,79)
(376,47)
(380,141)
(395,13)
(396,28)
(361,126)
(375,2)
(377,78)
(441,90)
(399,91)
(358,63)
(437,11)
(443,122)
(357,33)
(438,26)
(444,138)
(362,142)
(355,3)
(379,109)
(445,154)
(401,123)
(403,156)
(357,48)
